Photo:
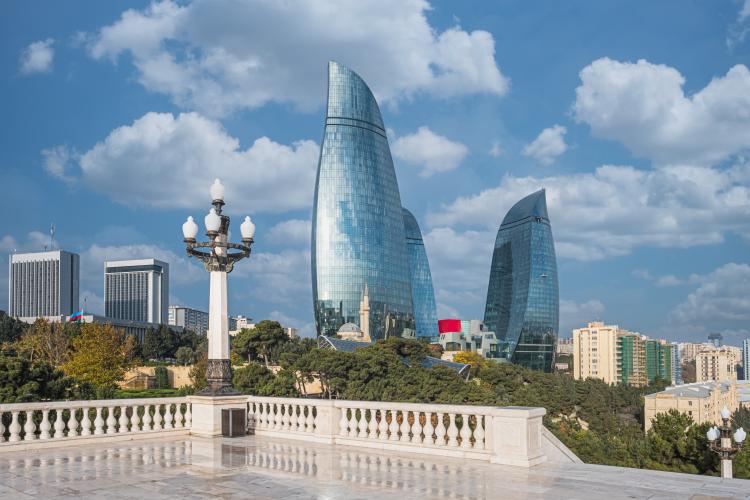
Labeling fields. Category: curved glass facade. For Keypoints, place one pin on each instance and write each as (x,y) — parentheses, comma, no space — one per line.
(358,227)
(522,296)
(422,292)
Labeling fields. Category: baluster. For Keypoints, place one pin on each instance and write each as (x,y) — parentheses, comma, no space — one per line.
(452,430)
(2,428)
(394,426)
(383,426)
(262,416)
(59,424)
(146,418)
(344,423)
(362,423)
(372,426)
(123,422)
(353,423)
(14,428)
(157,418)
(465,432)
(29,427)
(178,422)
(135,420)
(111,421)
(86,423)
(310,421)
(479,434)
(98,422)
(405,427)
(293,420)
(277,418)
(285,419)
(73,423)
(416,429)
(188,416)
(440,430)
(429,429)
(44,426)
(168,416)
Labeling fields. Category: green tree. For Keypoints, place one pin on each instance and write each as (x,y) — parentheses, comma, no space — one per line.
(21,381)
(162,377)
(185,355)
(198,372)
(45,342)
(98,355)
(160,343)
(11,329)
(259,342)
(251,378)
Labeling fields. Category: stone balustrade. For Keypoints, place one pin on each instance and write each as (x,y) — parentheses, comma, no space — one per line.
(47,424)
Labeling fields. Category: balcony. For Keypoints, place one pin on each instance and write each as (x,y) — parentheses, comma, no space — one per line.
(148,448)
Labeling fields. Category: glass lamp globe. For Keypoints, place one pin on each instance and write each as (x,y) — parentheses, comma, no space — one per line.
(213,221)
(190,229)
(217,190)
(711,434)
(247,228)
(740,435)
(725,414)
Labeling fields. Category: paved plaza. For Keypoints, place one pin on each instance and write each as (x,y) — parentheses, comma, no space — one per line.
(256,467)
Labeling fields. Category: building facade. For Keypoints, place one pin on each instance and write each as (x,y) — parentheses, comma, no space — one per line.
(190,319)
(358,226)
(595,352)
(137,290)
(702,401)
(746,359)
(717,364)
(676,364)
(522,296)
(631,359)
(565,346)
(43,284)
(466,336)
(422,291)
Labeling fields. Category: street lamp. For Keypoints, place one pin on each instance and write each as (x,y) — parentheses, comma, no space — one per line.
(218,261)
(720,441)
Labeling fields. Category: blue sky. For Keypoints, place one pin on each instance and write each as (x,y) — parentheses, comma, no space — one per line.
(635,116)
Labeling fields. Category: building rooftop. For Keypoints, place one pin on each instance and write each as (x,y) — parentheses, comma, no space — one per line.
(533,205)
(694,390)
(261,467)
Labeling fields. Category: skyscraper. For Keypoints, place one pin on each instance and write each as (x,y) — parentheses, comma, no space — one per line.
(358,226)
(522,295)
(43,284)
(422,292)
(746,358)
(137,290)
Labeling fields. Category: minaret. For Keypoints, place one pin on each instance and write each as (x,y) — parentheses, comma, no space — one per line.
(364,316)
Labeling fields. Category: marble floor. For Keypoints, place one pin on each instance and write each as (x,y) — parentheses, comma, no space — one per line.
(256,467)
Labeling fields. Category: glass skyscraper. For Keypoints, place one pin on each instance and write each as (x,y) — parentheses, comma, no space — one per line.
(522,297)
(358,226)
(422,292)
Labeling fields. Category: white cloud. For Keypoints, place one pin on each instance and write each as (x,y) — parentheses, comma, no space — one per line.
(304,329)
(575,315)
(57,162)
(433,152)
(224,55)
(643,106)
(669,280)
(91,303)
(167,161)
(548,145)
(277,278)
(643,274)
(292,231)
(615,209)
(496,150)
(721,301)
(738,30)
(36,241)
(37,57)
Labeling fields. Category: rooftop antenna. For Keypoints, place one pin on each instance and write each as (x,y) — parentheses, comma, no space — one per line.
(51,236)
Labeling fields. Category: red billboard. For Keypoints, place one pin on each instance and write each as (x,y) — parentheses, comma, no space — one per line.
(449,325)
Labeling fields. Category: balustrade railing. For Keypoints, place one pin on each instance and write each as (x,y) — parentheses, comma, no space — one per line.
(52,421)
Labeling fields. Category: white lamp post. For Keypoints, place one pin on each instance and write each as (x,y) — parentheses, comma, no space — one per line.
(720,441)
(218,261)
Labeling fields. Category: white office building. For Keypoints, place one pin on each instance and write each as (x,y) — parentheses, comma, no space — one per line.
(43,284)
(189,319)
(137,290)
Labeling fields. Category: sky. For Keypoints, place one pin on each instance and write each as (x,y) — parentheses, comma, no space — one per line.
(633,115)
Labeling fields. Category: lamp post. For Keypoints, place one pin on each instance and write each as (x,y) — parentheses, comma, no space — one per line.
(218,261)
(720,441)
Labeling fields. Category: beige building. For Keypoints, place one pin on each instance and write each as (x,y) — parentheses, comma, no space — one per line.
(595,352)
(689,350)
(702,401)
(718,364)
(564,346)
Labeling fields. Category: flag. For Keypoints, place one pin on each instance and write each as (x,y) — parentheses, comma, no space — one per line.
(76,316)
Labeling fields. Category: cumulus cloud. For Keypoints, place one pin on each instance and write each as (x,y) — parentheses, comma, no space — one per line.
(292,231)
(643,106)
(37,57)
(224,55)
(280,278)
(669,280)
(549,144)
(576,314)
(738,30)
(615,209)
(433,152)
(167,161)
(58,161)
(496,150)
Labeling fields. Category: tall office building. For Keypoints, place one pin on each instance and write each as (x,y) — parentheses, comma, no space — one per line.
(746,358)
(137,290)
(358,225)
(43,284)
(522,295)
(422,292)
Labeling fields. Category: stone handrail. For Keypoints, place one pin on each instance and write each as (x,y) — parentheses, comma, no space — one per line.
(507,435)
(42,424)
